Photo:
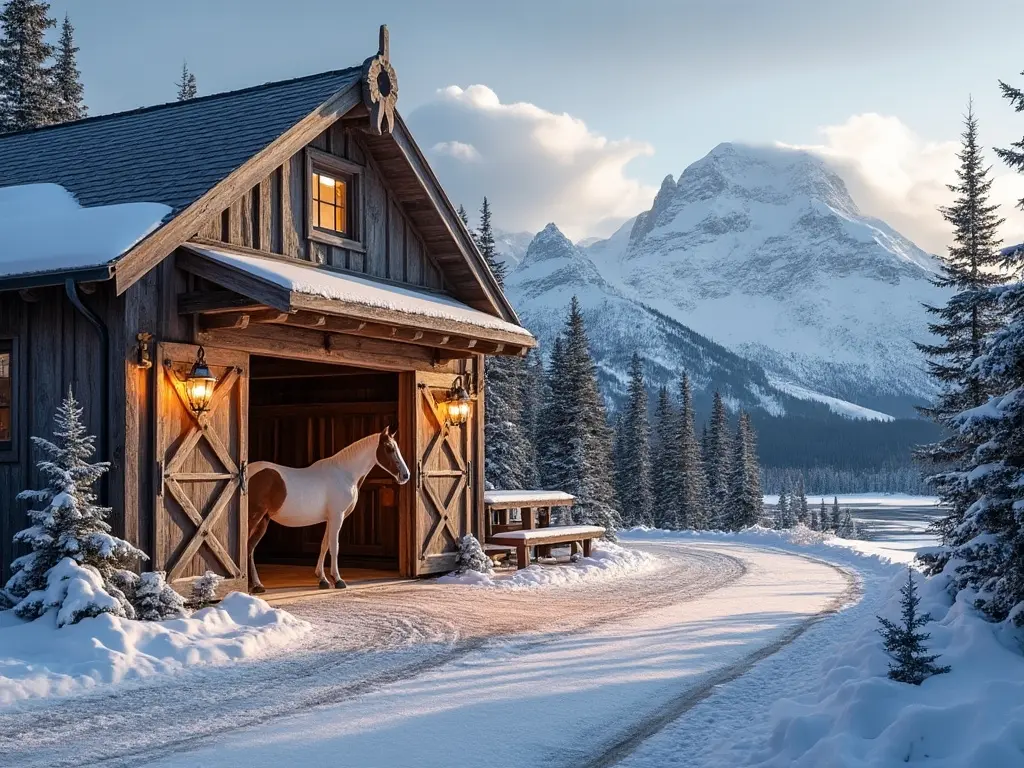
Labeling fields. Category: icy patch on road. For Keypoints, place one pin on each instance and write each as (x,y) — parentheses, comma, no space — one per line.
(607,561)
(825,700)
(38,660)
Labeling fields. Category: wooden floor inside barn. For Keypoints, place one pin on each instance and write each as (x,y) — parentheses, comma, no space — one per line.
(287,581)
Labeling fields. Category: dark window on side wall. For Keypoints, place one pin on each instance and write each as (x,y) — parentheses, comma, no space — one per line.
(6,394)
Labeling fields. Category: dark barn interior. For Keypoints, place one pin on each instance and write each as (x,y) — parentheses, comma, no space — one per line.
(299,413)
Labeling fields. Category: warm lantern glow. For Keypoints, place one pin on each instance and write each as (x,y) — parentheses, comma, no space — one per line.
(199,384)
(457,403)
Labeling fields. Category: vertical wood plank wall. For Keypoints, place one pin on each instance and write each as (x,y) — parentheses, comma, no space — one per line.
(271,217)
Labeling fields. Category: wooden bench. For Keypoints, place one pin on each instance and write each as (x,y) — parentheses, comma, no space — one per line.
(524,540)
(534,510)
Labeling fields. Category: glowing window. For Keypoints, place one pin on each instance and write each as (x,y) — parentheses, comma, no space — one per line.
(330,208)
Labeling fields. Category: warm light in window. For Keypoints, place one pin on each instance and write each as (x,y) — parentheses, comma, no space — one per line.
(330,203)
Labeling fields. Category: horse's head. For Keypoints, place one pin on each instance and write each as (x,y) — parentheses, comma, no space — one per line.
(389,457)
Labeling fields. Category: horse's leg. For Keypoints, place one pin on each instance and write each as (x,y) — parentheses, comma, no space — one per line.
(334,529)
(255,534)
(324,584)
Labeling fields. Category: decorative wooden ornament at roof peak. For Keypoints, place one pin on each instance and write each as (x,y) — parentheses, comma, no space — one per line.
(380,87)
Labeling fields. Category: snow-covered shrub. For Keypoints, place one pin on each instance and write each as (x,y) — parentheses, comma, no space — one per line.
(77,592)
(68,524)
(204,590)
(472,557)
(904,644)
(155,600)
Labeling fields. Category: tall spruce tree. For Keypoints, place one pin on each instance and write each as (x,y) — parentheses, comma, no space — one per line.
(485,242)
(27,94)
(836,516)
(188,88)
(690,484)
(664,460)
(800,508)
(532,397)
(719,462)
(821,524)
(970,315)
(782,511)
(552,427)
(636,496)
(67,78)
(508,453)
(746,502)
(580,458)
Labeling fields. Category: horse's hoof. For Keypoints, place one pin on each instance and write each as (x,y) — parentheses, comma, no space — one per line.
(258,589)
(340,584)
(325,584)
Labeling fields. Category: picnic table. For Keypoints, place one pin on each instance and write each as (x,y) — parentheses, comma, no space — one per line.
(534,529)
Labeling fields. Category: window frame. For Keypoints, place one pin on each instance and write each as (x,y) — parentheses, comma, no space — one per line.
(10,450)
(336,167)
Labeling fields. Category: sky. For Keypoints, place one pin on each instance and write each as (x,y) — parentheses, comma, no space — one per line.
(574,112)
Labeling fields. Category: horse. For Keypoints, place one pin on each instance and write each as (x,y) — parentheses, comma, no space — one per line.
(326,490)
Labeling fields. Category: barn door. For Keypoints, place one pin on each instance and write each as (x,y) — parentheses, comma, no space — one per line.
(201,510)
(443,472)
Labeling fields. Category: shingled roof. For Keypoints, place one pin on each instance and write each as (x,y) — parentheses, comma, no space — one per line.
(171,153)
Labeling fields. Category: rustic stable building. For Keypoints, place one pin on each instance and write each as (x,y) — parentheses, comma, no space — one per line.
(311,252)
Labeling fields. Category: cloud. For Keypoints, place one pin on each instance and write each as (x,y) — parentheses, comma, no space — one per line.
(534,166)
(901,178)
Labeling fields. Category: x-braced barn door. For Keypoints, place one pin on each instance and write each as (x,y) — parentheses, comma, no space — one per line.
(444,477)
(201,510)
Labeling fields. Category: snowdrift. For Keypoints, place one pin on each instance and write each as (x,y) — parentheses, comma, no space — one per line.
(38,660)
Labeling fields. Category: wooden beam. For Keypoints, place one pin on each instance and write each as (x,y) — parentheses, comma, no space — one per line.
(236,280)
(225,320)
(196,302)
(140,259)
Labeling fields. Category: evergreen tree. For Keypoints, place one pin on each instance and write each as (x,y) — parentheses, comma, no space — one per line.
(836,515)
(71,105)
(580,457)
(552,426)
(464,216)
(911,662)
(847,527)
(471,556)
(636,496)
(690,484)
(968,271)
(508,453)
(68,523)
(719,462)
(782,511)
(800,508)
(822,520)
(187,86)
(532,397)
(27,95)
(155,600)
(204,590)
(746,502)
(485,242)
(664,460)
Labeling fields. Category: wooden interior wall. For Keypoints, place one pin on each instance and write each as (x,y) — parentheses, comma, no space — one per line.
(270,217)
(296,422)
(56,347)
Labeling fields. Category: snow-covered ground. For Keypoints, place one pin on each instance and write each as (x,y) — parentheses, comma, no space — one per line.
(607,561)
(37,659)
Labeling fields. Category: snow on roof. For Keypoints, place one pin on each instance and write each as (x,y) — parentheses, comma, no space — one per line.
(326,284)
(44,229)
(527,497)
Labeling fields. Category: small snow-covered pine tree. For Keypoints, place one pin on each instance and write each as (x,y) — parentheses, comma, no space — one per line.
(663,462)
(155,600)
(187,86)
(27,96)
(822,521)
(471,556)
(204,590)
(836,516)
(782,510)
(485,242)
(746,503)
(690,484)
(719,462)
(508,454)
(635,495)
(847,528)
(911,662)
(68,523)
(801,510)
(532,397)
(67,78)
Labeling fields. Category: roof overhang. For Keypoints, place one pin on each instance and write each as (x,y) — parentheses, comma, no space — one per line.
(283,291)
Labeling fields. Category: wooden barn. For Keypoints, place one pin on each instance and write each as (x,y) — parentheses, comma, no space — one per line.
(296,234)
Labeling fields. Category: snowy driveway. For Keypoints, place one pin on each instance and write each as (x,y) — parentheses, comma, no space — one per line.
(443,675)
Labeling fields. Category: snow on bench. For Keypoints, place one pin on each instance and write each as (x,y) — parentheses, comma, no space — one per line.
(542,535)
(513,499)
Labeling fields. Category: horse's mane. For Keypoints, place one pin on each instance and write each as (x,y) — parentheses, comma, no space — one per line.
(356,447)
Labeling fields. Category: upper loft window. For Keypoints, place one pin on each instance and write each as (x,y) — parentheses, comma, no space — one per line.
(334,200)
(330,202)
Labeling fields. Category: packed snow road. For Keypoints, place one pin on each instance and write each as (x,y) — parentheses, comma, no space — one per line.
(443,674)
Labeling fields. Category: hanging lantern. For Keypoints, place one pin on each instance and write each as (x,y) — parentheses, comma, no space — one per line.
(199,384)
(457,403)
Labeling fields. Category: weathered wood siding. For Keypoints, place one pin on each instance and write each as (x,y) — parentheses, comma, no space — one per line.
(56,347)
(271,217)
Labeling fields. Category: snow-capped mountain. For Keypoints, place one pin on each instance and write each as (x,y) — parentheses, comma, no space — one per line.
(763,250)
(511,246)
(553,270)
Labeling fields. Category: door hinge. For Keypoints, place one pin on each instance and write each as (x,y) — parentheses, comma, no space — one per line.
(419,474)
(243,476)
(469,474)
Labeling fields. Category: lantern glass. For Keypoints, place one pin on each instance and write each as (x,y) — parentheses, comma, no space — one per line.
(200,383)
(457,404)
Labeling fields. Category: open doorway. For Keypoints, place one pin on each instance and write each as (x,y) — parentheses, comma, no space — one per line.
(299,413)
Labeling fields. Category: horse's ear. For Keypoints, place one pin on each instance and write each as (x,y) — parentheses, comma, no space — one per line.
(387,430)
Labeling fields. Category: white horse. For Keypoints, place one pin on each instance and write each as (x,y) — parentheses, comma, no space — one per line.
(324,491)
